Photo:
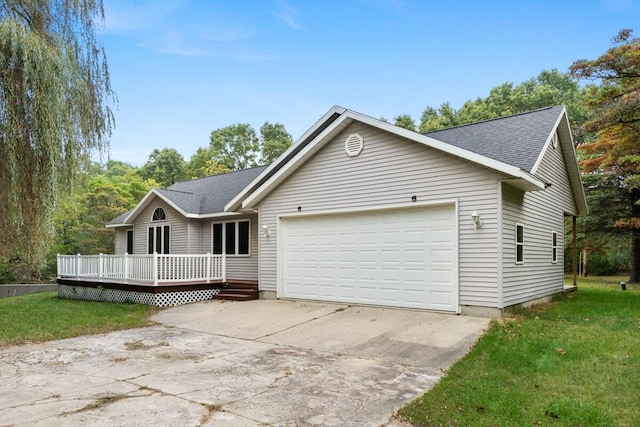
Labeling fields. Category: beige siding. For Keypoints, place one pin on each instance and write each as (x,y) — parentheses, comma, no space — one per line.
(177,222)
(192,236)
(541,213)
(239,267)
(388,172)
(195,230)
(120,236)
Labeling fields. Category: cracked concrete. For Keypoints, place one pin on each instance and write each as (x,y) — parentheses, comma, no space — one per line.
(257,363)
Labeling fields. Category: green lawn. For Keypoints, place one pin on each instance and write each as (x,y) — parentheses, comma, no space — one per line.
(44,317)
(573,362)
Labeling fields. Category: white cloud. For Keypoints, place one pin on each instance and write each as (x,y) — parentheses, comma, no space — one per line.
(288,15)
(174,27)
(123,16)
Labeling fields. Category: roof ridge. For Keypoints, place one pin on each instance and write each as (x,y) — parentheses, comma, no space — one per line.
(176,191)
(219,174)
(493,119)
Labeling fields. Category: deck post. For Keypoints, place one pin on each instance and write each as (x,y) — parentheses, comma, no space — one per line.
(208,267)
(155,269)
(224,267)
(100,267)
(78,260)
(126,268)
(58,266)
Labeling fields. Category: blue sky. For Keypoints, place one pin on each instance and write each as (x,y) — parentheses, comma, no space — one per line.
(183,68)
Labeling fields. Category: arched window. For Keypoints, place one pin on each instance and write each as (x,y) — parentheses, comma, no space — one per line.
(159,215)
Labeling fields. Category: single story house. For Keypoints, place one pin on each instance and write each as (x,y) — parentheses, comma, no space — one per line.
(468,219)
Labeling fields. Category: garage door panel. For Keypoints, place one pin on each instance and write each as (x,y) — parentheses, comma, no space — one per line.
(399,258)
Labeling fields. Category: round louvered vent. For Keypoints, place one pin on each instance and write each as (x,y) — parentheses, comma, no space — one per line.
(353,145)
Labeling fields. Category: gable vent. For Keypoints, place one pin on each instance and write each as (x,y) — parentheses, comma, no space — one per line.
(353,145)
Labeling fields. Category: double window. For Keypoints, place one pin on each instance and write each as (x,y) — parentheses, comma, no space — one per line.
(519,243)
(230,238)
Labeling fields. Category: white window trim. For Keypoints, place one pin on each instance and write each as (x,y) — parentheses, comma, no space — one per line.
(554,248)
(519,243)
(166,217)
(133,240)
(237,235)
(162,226)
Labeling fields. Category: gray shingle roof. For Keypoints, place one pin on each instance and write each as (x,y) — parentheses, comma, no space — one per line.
(515,140)
(205,195)
(214,192)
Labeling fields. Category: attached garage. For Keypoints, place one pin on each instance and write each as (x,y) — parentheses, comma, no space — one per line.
(404,257)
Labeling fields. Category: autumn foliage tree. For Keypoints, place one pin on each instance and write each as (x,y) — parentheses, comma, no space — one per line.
(615,153)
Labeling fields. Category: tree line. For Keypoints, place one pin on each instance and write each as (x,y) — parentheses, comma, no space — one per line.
(55,113)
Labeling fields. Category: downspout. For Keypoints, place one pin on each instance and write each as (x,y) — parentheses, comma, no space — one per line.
(575,252)
(499,259)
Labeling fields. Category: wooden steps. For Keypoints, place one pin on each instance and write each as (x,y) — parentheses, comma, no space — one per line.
(238,291)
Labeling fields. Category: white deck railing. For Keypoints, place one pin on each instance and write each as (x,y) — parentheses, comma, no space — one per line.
(153,269)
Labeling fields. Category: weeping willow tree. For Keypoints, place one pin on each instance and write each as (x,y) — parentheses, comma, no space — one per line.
(54,110)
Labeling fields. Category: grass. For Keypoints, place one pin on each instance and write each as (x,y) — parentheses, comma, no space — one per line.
(44,317)
(573,362)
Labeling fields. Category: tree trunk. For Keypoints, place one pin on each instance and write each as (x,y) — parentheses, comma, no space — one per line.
(635,257)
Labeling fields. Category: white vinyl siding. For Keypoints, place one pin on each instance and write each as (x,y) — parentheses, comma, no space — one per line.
(388,172)
(177,222)
(541,212)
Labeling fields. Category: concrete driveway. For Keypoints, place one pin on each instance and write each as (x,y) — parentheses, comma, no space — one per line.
(252,363)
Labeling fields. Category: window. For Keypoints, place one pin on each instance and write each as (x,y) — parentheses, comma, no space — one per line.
(159,239)
(554,247)
(129,241)
(230,238)
(159,215)
(519,244)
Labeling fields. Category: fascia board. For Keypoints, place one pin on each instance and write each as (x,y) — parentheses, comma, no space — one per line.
(146,200)
(118,225)
(570,161)
(562,114)
(213,215)
(284,171)
(141,205)
(236,202)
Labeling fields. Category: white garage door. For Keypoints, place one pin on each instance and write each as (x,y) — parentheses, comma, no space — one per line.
(402,258)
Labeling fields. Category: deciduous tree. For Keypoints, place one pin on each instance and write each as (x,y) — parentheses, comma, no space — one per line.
(235,146)
(274,140)
(405,121)
(615,153)
(54,107)
(164,166)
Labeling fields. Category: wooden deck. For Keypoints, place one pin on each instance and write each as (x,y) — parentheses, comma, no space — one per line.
(143,286)
(162,295)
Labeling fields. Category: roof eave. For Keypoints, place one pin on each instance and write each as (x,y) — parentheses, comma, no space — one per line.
(118,225)
(237,201)
(146,200)
(252,199)
(570,160)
